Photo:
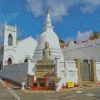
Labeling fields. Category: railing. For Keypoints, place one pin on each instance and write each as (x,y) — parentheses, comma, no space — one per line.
(10,90)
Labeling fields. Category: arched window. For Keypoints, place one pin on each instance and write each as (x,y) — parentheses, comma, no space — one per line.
(10,40)
(9,61)
(26,60)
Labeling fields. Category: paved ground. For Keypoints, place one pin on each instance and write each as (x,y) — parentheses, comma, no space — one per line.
(76,94)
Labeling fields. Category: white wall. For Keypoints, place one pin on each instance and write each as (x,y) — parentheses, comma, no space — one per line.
(18,54)
(67,71)
(98,71)
(71,72)
(60,69)
(31,67)
(15,72)
(18,72)
(81,51)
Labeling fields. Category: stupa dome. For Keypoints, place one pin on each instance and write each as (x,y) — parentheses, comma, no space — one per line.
(51,37)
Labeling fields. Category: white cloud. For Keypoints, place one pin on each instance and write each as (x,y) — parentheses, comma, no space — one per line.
(60,8)
(35,6)
(59,12)
(83,35)
(90,6)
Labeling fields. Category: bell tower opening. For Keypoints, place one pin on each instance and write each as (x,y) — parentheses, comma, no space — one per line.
(10,40)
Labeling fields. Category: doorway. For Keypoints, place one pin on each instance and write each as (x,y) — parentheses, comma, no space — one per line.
(85,70)
(0,66)
(9,61)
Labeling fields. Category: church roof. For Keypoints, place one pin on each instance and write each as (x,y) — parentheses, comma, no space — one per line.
(27,39)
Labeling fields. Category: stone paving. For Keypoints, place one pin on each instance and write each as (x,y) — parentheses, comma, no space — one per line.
(4,94)
(70,94)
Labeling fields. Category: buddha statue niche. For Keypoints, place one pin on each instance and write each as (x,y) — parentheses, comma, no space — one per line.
(46,52)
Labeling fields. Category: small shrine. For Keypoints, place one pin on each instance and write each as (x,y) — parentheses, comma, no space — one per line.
(45,70)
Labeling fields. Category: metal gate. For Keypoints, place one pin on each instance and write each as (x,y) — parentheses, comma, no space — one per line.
(85,71)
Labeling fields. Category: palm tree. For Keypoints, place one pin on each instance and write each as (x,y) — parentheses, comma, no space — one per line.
(61,41)
(94,36)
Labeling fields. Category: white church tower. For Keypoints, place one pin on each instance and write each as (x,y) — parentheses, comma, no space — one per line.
(9,43)
(9,36)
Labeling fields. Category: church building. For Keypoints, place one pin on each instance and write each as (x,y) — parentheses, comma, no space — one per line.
(13,51)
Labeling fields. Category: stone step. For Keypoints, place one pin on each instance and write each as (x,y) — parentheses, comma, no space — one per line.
(89,84)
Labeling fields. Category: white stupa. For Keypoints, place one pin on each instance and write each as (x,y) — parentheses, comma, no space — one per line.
(51,37)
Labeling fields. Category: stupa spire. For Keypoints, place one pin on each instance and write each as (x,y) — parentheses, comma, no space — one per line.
(48,24)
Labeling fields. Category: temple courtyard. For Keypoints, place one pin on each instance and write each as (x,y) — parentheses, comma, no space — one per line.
(85,93)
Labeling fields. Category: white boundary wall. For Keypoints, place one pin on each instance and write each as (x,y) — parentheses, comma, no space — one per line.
(67,71)
(17,72)
(71,72)
(81,51)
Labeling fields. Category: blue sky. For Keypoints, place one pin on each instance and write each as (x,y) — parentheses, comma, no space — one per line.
(69,17)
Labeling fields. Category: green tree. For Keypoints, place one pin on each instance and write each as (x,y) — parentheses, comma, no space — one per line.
(94,36)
